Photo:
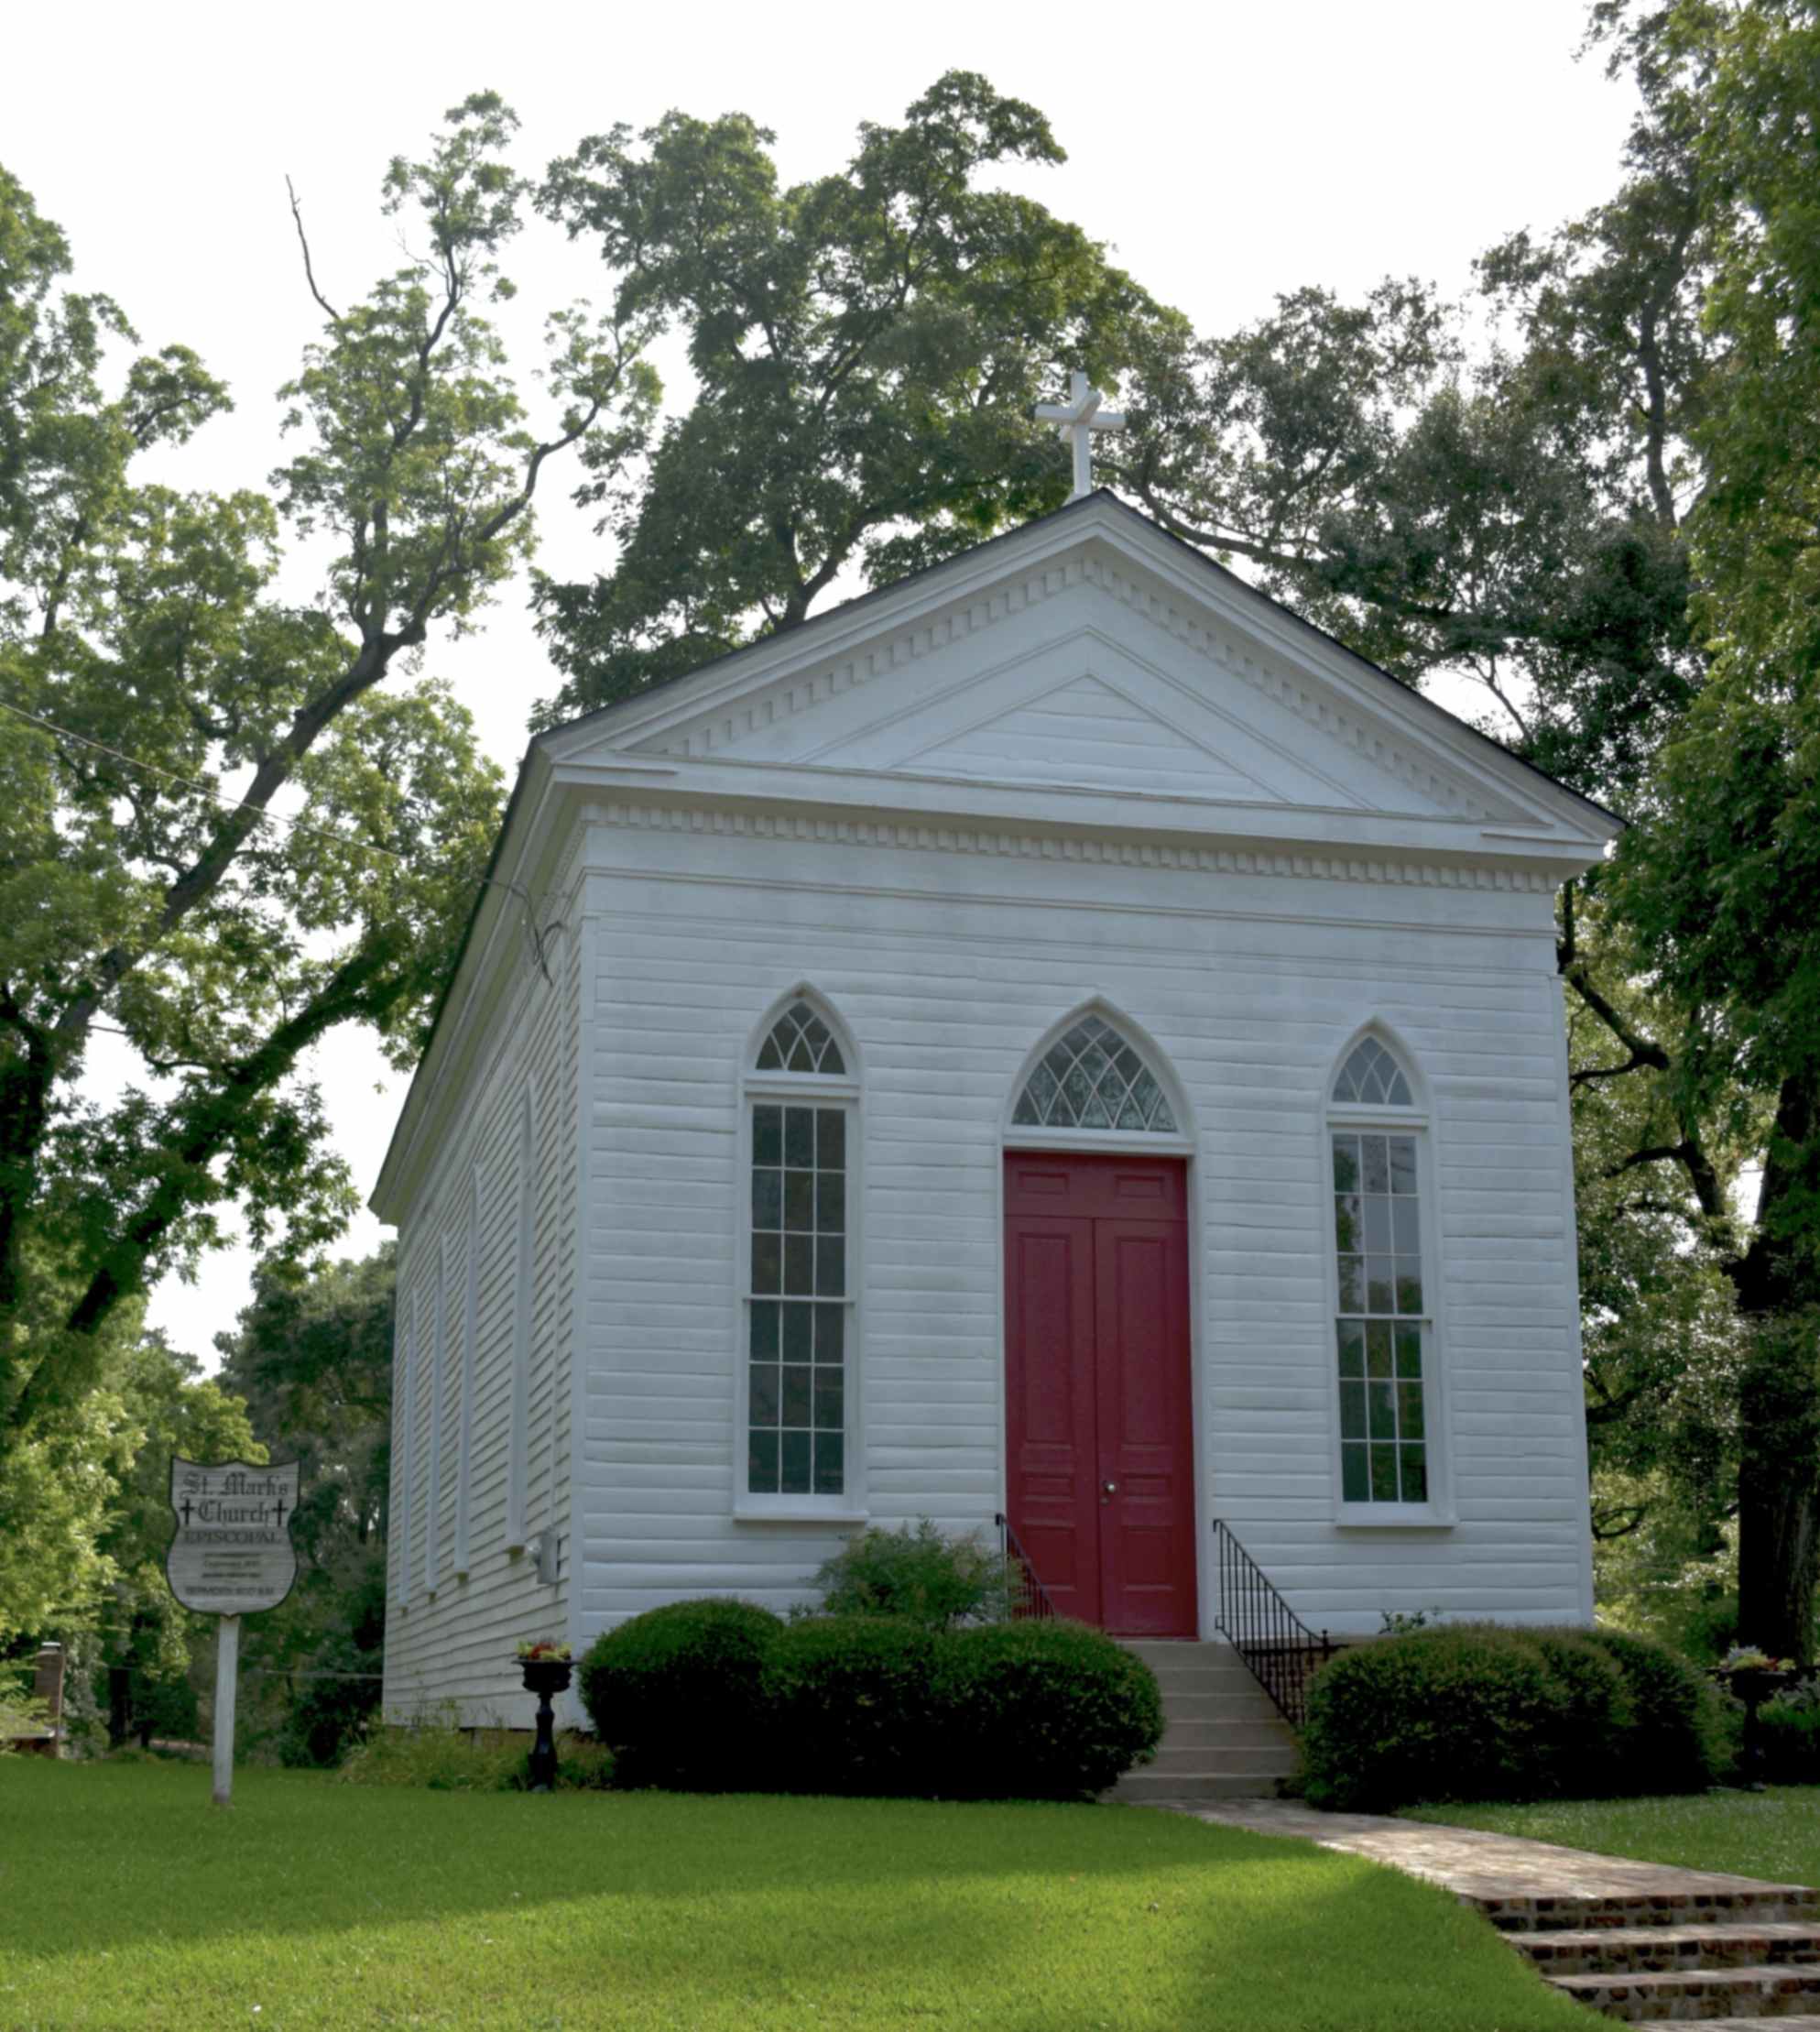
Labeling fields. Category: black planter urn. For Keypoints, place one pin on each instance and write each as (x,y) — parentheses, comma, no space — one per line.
(544,1676)
(1752,1686)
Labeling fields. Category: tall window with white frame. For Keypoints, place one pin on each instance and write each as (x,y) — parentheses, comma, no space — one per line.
(800,1094)
(1384,1325)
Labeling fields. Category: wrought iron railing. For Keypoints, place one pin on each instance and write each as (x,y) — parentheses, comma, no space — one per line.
(1029,1597)
(1282,1652)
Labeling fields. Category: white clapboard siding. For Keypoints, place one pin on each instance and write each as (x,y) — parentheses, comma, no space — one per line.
(1250,987)
(450,1654)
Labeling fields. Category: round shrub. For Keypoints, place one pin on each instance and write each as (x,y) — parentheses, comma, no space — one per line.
(915,1571)
(1600,1712)
(676,1692)
(848,1705)
(1042,1710)
(1461,1712)
(1674,1742)
(1789,1731)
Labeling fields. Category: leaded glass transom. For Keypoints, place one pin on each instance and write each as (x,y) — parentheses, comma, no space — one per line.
(1091,1078)
(1372,1078)
(799,1042)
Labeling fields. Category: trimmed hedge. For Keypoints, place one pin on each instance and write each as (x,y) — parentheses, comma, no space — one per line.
(676,1692)
(1043,1711)
(1487,1712)
(1790,1733)
(848,1705)
(722,1694)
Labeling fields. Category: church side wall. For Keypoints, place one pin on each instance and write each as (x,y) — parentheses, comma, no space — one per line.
(449,1652)
(948,968)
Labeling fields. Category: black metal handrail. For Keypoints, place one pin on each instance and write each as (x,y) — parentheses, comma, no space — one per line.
(1029,1597)
(1281,1649)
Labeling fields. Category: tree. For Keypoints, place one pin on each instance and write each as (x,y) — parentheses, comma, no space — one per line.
(313,1359)
(868,346)
(222,833)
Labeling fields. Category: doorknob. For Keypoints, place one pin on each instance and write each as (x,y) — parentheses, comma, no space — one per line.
(1110,1488)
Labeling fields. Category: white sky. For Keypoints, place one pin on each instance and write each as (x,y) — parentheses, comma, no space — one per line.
(1227,152)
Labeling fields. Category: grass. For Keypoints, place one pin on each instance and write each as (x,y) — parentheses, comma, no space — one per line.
(1773,1834)
(129,1901)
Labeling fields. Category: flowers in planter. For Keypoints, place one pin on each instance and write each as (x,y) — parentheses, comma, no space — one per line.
(542,1651)
(1748,1657)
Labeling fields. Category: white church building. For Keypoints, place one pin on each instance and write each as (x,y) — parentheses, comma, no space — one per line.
(1057,1036)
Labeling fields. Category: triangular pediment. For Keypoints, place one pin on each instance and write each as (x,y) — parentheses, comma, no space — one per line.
(1087,652)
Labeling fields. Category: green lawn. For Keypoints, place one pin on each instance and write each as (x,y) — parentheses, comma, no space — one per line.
(1760,1834)
(125,1900)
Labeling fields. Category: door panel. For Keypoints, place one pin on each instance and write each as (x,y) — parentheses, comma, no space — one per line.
(1098,1389)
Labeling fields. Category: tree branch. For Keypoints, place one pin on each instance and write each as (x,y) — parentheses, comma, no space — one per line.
(334,316)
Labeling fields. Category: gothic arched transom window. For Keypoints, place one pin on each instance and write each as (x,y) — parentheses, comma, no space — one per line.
(1092,1078)
(799,1042)
(1384,1318)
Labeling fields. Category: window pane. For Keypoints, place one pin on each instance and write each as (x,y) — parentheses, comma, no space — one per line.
(830,1137)
(799,1201)
(1355,1474)
(1374,1164)
(1380,1284)
(1377,1223)
(763,1342)
(767,1262)
(768,1198)
(1377,1348)
(761,1463)
(1408,1284)
(1352,1283)
(1352,1411)
(794,1469)
(1383,1407)
(765,1393)
(799,1264)
(1345,1164)
(831,1255)
(1383,1472)
(1409,1409)
(799,1137)
(830,1471)
(1415,1474)
(1407,1238)
(1352,1348)
(798,1324)
(767,1135)
(796,1395)
(1408,1350)
(1348,1230)
(830,1400)
(831,1201)
(1402,1164)
(830,1324)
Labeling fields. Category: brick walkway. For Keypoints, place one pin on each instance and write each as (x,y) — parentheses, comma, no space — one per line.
(1642,1941)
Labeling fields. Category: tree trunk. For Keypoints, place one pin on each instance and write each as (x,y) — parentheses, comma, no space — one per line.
(1779,1491)
(119,1705)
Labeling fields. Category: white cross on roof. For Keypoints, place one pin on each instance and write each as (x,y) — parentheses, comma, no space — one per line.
(1077,419)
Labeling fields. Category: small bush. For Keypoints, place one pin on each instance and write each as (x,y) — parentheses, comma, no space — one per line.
(1042,1710)
(1601,1714)
(1675,1741)
(1463,1712)
(916,1572)
(1789,1732)
(848,1704)
(440,1759)
(676,1692)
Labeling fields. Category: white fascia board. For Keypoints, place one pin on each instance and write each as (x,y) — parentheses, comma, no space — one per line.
(1070,810)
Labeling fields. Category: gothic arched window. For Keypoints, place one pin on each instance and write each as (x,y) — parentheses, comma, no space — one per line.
(1093,1077)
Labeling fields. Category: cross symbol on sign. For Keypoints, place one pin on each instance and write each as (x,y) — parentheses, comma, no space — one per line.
(1077,419)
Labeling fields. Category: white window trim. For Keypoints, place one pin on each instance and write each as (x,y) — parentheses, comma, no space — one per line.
(1437,1513)
(815,1089)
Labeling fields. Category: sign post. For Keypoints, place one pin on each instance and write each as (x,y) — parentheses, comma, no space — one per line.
(231,1556)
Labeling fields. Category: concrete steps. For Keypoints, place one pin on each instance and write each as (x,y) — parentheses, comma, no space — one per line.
(1223,1738)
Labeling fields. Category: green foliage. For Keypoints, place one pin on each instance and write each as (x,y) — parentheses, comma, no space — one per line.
(440,1759)
(848,1708)
(868,346)
(1042,1710)
(1789,1732)
(915,1571)
(221,942)
(1474,1711)
(678,1690)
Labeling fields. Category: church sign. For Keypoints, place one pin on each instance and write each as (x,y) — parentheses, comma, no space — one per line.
(232,1554)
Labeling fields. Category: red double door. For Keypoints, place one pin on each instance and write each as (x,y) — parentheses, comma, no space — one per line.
(1099,1406)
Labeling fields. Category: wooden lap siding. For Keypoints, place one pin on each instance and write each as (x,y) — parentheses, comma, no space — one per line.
(949,967)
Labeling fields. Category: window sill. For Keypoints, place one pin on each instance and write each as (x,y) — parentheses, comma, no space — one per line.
(1392,1516)
(823,1510)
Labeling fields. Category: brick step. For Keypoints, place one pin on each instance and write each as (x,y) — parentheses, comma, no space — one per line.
(1768,1991)
(1151,1786)
(1655,1949)
(1797,2021)
(1767,1904)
